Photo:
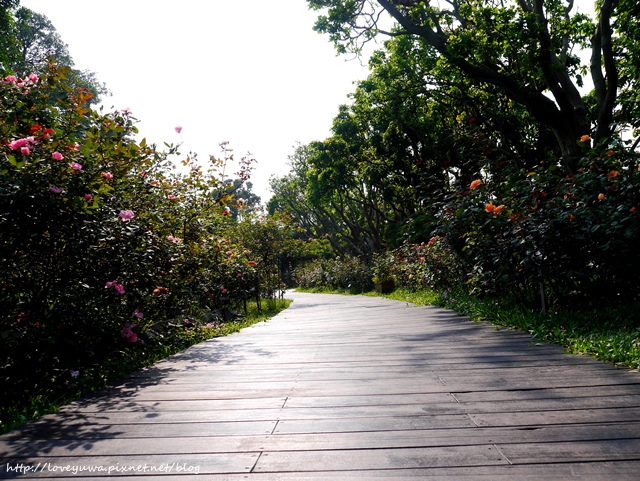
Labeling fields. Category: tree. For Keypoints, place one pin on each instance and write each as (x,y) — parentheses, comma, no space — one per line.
(627,46)
(526,49)
(30,42)
(8,43)
(38,41)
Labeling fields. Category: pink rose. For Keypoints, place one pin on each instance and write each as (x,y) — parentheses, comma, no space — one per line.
(24,150)
(16,144)
(107,175)
(128,333)
(88,197)
(20,143)
(178,129)
(118,287)
(55,190)
(126,215)
(75,166)
(57,156)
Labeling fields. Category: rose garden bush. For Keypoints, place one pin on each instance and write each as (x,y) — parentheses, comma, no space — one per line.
(571,234)
(106,253)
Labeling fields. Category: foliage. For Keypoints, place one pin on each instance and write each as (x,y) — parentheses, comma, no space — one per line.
(108,254)
(525,49)
(383,267)
(570,235)
(341,273)
(8,43)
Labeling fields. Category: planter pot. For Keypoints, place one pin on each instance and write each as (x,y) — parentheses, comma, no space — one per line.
(384,287)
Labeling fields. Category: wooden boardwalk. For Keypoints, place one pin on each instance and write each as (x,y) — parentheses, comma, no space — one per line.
(349,388)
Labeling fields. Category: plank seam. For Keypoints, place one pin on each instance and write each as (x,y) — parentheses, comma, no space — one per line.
(256,463)
(502,454)
(275,426)
(473,421)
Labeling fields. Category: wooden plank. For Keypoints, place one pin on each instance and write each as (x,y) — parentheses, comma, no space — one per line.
(577,416)
(62,429)
(548,393)
(438,403)
(445,360)
(389,423)
(173,412)
(588,450)
(334,373)
(418,438)
(108,404)
(345,460)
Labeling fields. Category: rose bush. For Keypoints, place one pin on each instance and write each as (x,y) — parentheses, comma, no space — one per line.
(105,249)
(570,235)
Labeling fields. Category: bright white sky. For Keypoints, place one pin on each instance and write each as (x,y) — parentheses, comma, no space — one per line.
(252,72)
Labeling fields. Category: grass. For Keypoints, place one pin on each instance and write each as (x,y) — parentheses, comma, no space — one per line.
(123,363)
(611,335)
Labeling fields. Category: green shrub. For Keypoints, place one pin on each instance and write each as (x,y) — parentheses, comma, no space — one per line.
(108,254)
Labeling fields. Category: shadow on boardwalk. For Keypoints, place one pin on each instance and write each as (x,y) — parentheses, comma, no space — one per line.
(349,387)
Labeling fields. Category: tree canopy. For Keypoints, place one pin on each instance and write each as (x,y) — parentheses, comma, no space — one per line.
(29,42)
(527,49)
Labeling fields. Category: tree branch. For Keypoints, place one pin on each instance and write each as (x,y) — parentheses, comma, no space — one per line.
(607,90)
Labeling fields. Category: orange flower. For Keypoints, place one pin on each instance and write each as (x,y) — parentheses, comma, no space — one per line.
(585,138)
(611,153)
(632,210)
(498,209)
(489,207)
(601,196)
(613,173)
(475,184)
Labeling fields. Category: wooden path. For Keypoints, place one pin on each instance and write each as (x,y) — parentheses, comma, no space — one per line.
(350,388)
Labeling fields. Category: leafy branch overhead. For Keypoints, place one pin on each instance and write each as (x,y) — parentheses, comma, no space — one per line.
(528,49)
